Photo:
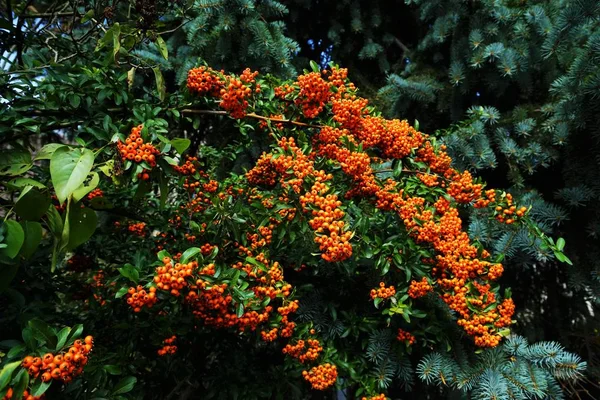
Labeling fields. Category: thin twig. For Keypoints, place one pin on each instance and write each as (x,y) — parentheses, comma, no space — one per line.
(252,115)
(49,15)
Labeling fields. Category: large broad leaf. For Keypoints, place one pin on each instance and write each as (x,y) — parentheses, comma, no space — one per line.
(33,237)
(82,224)
(6,373)
(69,168)
(33,204)
(87,187)
(20,183)
(125,385)
(180,144)
(43,332)
(22,380)
(47,151)
(14,237)
(15,161)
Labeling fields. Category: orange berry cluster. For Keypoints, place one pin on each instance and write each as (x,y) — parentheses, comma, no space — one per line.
(457,263)
(138,228)
(188,168)
(380,396)
(430,180)
(139,297)
(322,376)
(419,288)
(490,196)
(168,346)
(204,81)
(462,188)
(406,336)
(134,148)
(331,233)
(297,351)
(383,292)
(26,395)
(269,336)
(313,95)
(509,213)
(63,366)
(234,96)
(172,277)
(206,249)
(95,193)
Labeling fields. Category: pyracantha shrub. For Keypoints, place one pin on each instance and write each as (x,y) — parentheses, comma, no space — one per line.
(343,208)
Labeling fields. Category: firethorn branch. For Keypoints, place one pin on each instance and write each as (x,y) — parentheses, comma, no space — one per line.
(252,115)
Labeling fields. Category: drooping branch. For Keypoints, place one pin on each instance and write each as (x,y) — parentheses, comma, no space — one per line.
(252,115)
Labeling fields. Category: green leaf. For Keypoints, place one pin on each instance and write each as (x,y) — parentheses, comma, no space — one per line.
(39,388)
(314,66)
(82,224)
(86,187)
(113,369)
(130,272)
(88,16)
(74,100)
(160,83)
(33,205)
(162,254)
(43,332)
(560,244)
(69,168)
(76,332)
(62,336)
(180,144)
(20,183)
(15,161)
(46,152)
(125,385)
(188,254)
(15,351)
(14,238)
(162,47)
(22,380)
(121,292)
(33,237)
(6,373)
(107,168)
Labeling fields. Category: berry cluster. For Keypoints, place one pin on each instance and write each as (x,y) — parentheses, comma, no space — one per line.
(383,292)
(419,288)
(26,395)
(95,193)
(313,95)
(139,297)
(406,336)
(204,81)
(322,376)
(269,336)
(63,366)
(134,148)
(173,277)
(380,396)
(168,347)
(137,228)
(302,352)
(188,167)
